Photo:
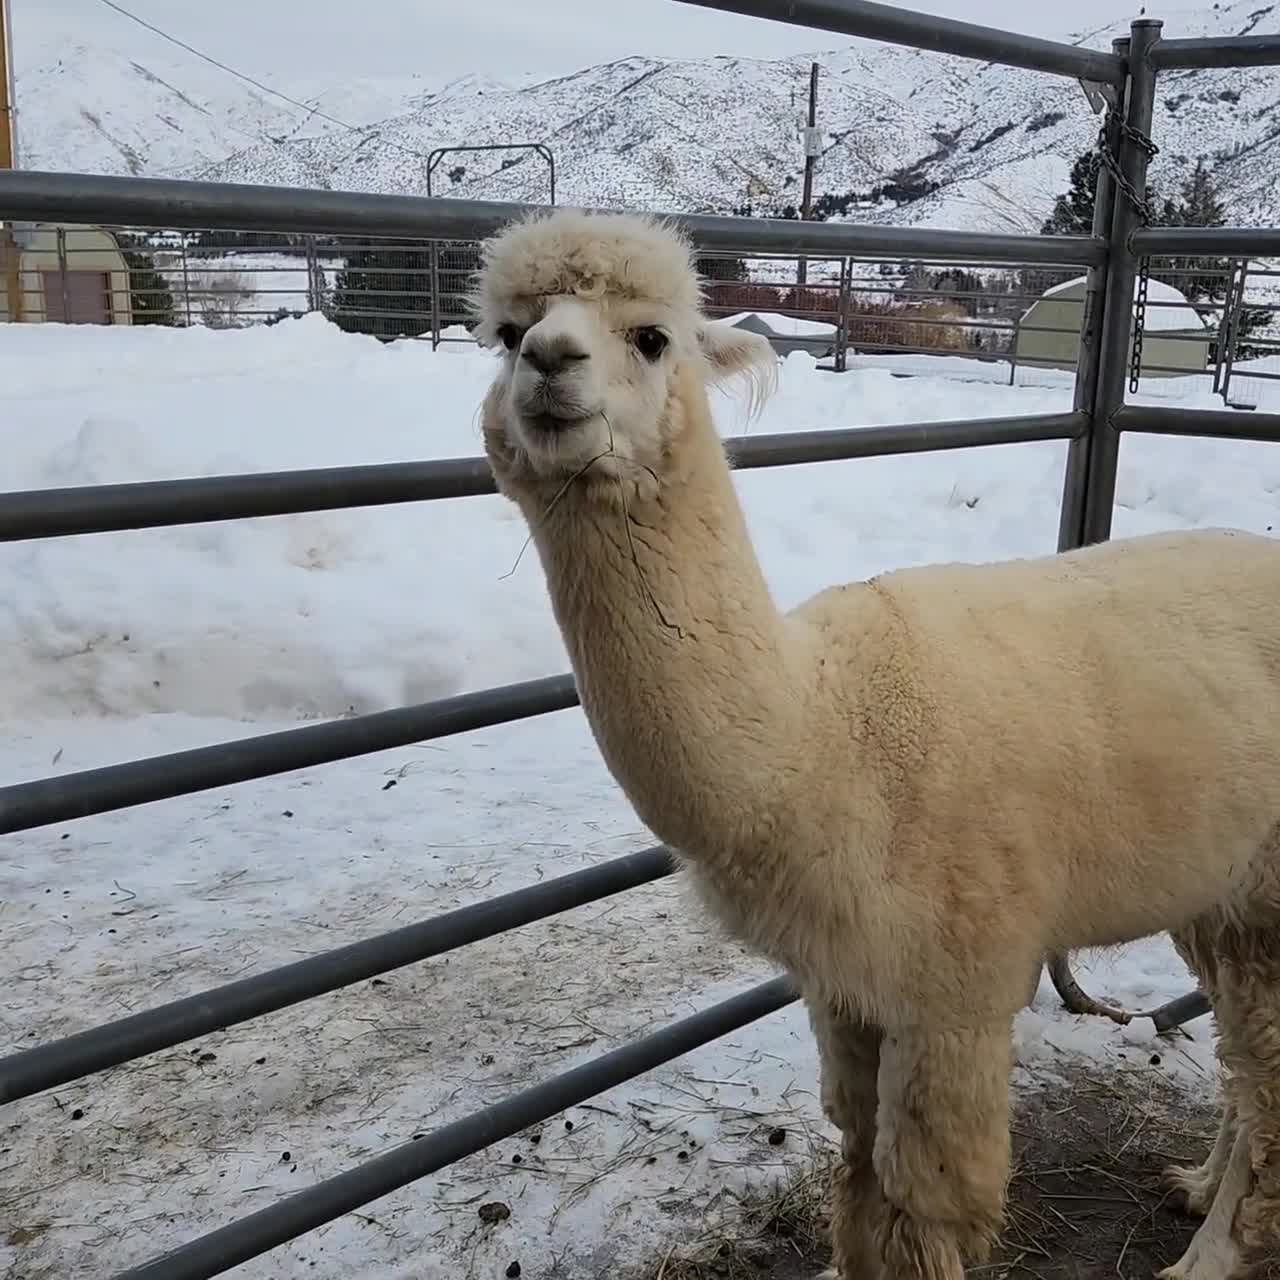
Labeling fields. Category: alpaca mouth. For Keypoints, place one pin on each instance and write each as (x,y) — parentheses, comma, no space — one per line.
(554,424)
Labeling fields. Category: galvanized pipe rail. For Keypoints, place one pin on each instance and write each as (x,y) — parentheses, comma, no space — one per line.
(51,513)
(938,35)
(60,1061)
(228,206)
(1100,416)
(249,1237)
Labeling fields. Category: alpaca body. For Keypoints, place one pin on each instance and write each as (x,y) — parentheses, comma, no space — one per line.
(907,790)
(980,762)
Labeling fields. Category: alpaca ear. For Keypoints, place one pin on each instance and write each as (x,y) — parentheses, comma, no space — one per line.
(732,352)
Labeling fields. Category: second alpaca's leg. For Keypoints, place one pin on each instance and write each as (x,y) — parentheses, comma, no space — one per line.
(942,1148)
(1240,1237)
(849,1056)
(1199,1183)
(1249,1010)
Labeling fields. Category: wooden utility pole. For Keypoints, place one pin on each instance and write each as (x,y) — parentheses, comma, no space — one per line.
(812,149)
(8,160)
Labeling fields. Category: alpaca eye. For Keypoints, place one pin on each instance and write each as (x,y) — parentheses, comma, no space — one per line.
(650,342)
(510,336)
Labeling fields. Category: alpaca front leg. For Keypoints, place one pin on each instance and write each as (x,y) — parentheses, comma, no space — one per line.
(849,1057)
(942,1148)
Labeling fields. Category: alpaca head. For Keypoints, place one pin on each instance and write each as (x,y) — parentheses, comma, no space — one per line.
(598,322)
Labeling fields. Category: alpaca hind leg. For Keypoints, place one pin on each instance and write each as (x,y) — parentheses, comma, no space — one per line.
(942,1148)
(1199,1184)
(1213,1253)
(849,1056)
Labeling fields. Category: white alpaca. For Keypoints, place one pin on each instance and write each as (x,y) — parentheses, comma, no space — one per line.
(908,790)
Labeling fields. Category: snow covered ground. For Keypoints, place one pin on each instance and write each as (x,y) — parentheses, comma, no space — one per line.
(133,644)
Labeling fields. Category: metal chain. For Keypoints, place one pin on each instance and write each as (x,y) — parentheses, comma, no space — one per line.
(1139,324)
(1124,130)
(1114,125)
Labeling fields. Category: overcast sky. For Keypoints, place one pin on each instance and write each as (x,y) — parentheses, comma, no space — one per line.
(442,39)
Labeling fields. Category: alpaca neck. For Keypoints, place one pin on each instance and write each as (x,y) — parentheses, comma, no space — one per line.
(686,669)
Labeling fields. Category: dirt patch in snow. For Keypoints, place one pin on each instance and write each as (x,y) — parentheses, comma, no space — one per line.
(1085,1198)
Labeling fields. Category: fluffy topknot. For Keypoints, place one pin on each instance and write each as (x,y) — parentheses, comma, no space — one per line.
(592,255)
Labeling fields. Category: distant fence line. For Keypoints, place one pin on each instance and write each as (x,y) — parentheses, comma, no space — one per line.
(395,288)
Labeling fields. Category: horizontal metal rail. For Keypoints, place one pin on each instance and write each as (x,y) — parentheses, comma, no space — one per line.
(52,513)
(1217,51)
(250,1237)
(48,1065)
(176,203)
(1217,424)
(1184,1009)
(927,31)
(117,786)
(1222,242)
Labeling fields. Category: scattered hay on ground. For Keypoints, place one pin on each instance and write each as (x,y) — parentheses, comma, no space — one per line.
(1085,1199)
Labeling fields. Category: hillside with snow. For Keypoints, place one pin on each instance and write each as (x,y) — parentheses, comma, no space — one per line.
(991,146)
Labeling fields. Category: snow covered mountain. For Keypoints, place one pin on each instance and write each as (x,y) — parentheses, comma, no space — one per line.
(926,139)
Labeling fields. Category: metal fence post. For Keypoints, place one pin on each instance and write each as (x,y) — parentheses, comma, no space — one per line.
(1076,481)
(1235,304)
(1122,272)
(62,278)
(435,295)
(186,281)
(842,316)
(315,286)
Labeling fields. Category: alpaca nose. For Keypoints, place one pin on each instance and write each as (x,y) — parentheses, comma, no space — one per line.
(550,354)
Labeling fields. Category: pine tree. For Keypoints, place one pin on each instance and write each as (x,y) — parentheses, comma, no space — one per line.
(1196,205)
(1073,210)
(385,288)
(150,295)
(1204,279)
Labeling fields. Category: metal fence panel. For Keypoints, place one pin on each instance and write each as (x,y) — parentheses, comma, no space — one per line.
(172,202)
(928,31)
(49,513)
(1218,424)
(1217,51)
(119,786)
(231,1245)
(49,1065)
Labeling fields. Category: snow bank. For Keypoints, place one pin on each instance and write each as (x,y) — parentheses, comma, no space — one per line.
(318,615)
(325,614)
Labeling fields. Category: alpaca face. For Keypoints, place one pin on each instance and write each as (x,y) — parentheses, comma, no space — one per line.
(603,344)
(588,379)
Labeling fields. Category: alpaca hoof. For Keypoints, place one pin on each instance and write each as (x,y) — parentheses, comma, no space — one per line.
(1193,1189)
(1210,1257)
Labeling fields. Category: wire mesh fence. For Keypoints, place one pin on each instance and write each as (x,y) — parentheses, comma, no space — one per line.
(1207,316)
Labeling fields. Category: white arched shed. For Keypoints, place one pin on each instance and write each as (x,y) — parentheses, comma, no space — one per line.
(1175,340)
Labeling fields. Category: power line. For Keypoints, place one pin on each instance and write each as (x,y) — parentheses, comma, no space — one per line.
(309,108)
